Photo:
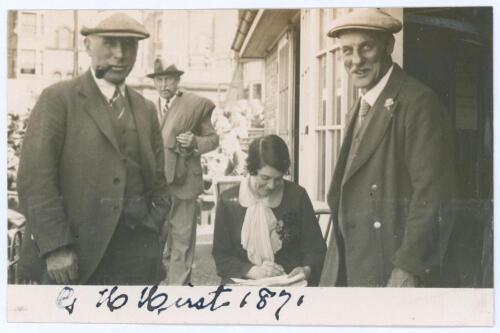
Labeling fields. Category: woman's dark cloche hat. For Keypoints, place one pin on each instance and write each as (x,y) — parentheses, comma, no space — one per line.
(117,25)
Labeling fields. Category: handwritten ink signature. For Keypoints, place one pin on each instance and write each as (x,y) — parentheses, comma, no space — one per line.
(66,300)
(155,301)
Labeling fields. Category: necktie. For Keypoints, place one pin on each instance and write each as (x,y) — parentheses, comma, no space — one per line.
(363,111)
(165,108)
(117,103)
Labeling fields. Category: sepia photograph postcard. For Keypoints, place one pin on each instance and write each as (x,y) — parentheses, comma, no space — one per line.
(281,164)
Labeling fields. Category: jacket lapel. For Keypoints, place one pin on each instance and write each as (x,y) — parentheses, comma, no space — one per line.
(138,109)
(158,111)
(379,122)
(95,106)
(172,111)
(174,125)
(351,115)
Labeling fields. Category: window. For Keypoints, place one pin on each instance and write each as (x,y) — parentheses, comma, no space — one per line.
(335,95)
(56,76)
(323,27)
(285,107)
(159,32)
(257,91)
(283,85)
(28,62)
(28,23)
(246,93)
(63,38)
(42,24)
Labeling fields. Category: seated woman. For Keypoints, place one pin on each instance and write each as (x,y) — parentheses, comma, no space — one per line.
(266,226)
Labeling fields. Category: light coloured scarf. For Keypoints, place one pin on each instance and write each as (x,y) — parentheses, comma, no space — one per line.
(258,234)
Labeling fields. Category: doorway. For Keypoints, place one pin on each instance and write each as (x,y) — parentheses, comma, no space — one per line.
(450,50)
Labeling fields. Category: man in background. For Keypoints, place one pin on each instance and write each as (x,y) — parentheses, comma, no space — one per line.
(185,121)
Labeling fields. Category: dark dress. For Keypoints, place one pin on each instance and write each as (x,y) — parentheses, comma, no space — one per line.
(302,243)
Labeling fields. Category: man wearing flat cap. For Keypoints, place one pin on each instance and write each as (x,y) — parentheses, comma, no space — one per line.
(186,127)
(394,176)
(91,176)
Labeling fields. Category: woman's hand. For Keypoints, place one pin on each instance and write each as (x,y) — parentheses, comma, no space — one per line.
(304,271)
(267,269)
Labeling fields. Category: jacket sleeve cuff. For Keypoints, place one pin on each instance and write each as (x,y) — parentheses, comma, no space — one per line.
(412,265)
(245,268)
(54,242)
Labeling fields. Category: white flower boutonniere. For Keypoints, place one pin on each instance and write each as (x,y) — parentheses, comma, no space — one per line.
(388,103)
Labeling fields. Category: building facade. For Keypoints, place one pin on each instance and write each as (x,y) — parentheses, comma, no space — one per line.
(197,41)
(45,46)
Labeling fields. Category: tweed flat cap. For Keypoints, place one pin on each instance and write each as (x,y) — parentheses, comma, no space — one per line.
(117,25)
(160,69)
(365,19)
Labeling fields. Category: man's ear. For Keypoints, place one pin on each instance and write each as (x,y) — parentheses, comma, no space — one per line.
(87,43)
(389,48)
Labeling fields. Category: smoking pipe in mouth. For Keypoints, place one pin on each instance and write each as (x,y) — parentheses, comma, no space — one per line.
(100,71)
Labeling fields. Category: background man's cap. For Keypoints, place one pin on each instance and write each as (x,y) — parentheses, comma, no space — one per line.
(117,25)
(159,69)
(366,19)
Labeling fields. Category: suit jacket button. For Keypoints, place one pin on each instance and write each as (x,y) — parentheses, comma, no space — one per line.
(377,225)
(116,180)
(374,187)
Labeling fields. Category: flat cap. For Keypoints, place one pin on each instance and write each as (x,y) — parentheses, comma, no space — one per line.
(117,25)
(365,19)
(160,69)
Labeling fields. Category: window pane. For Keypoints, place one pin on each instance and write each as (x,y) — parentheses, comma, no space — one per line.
(323,20)
(320,195)
(283,89)
(65,39)
(257,91)
(338,111)
(28,25)
(334,13)
(28,61)
(338,142)
(335,148)
(333,118)
(340,66)
(322,91)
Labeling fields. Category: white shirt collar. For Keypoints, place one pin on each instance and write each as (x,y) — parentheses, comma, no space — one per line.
(371,95)
(163,101)
(107,88)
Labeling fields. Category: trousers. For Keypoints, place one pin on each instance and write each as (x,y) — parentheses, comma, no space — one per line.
(179,232)
(131,258)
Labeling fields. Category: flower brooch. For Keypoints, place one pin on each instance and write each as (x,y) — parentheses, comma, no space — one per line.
(388,103)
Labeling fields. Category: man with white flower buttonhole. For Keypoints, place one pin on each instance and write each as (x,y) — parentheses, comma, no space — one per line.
(395,170)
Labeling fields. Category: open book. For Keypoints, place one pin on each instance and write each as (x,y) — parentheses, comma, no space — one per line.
(282,280)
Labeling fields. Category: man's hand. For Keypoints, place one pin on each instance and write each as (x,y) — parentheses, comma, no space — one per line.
(62,265)
(186,140)
(400,279)
(267,269)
